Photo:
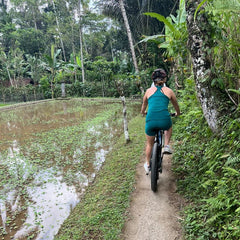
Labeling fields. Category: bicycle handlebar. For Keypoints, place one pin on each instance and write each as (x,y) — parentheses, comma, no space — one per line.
(174,114)
(171,114)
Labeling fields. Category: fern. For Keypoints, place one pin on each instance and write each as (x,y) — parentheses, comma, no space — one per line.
(232,161)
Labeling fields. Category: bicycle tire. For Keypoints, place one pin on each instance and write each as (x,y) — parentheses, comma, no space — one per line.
(160,158)
(154,167)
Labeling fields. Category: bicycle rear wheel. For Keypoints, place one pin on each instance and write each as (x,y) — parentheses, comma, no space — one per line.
(154,167)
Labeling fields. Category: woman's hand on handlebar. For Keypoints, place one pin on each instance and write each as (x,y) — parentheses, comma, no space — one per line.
(175,114)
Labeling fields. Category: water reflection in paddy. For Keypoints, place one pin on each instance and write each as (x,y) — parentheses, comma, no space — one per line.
(49,153)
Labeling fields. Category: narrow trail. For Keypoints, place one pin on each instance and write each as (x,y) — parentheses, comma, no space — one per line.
(154,216)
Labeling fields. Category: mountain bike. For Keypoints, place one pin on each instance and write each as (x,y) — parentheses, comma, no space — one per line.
(157,158)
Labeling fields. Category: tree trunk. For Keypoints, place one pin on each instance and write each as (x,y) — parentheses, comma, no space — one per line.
(74,54)
(59,32)
(81,42)
(35,20)
(81,53)
(9,76)
(212,99)
(129,35)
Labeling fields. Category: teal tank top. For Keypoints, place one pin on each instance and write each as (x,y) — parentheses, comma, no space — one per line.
(157,106)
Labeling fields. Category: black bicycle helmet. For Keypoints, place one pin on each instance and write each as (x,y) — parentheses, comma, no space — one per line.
(158,74)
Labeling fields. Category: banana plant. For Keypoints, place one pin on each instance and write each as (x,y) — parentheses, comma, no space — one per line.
(78,61)
(14,65)
(175,31)
(53,65)
(174,40)
(35,67)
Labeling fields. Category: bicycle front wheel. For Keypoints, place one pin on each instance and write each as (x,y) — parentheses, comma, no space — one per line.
(154,168)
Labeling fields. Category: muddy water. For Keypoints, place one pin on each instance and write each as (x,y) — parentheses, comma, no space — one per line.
(49,153)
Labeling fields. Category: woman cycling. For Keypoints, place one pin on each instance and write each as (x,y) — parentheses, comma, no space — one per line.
(157,99)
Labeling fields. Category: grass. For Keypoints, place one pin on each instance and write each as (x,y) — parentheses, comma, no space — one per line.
(103,210)
(2,104)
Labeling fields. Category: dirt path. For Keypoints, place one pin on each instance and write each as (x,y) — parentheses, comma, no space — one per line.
(154,216)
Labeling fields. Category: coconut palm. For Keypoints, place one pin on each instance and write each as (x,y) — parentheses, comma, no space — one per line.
(119,7)
(129,33)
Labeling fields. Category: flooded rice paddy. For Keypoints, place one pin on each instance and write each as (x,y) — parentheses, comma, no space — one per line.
(49,153)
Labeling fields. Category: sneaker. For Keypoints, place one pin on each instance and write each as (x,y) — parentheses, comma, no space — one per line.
(167,150)
(147,168)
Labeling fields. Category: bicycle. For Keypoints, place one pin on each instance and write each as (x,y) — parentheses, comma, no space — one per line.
(157,158)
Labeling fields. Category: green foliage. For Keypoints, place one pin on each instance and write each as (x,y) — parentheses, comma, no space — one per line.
(174,41)
(208,170)
(175,31)
(223,50)
(21,94)
(100,82)
(35,67)
(165,20)
(53,66)
(2,105)
(31,41)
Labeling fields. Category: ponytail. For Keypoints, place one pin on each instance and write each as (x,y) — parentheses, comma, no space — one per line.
(159,81)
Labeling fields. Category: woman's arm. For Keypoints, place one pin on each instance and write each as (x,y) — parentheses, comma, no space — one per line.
(175,103)
(144,104)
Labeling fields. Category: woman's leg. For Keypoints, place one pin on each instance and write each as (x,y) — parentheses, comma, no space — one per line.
(168,134)
(150,142)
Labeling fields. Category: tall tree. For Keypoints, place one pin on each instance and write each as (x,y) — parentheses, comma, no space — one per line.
(7,28)
(129,33)
(141,24)
(80,12)
(29,25)
(59,30)
(212,99)
(116,6)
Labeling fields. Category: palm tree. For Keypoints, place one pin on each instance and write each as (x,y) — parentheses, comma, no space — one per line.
(119,5)
(129,33)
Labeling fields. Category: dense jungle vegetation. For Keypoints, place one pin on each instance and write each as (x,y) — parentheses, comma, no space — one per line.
(109,48)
